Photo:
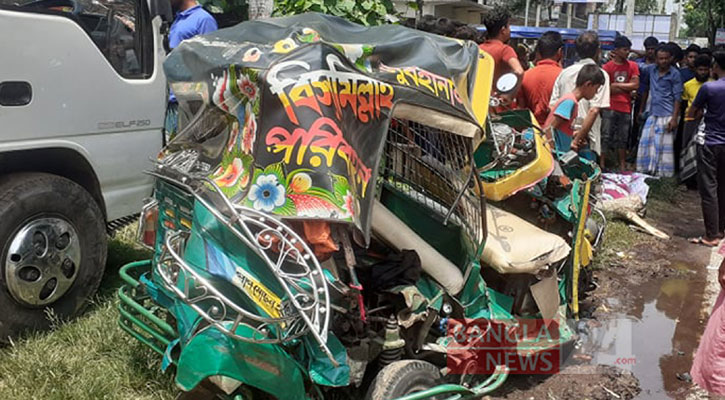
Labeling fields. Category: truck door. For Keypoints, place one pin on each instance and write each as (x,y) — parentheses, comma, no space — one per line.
(94,70)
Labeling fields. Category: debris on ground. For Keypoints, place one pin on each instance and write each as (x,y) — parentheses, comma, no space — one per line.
(594,382)
(624,196)
(643,285)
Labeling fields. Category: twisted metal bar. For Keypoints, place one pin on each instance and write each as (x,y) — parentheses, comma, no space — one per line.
(306,287)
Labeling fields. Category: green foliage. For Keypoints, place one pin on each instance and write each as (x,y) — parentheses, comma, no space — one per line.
(227,12)
(365,12)
(645,6)
(703,17)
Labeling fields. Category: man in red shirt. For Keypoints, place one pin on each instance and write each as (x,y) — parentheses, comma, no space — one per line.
(498,33)
(624,78)
(538,82)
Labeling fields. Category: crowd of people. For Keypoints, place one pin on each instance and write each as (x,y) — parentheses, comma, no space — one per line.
(660,111)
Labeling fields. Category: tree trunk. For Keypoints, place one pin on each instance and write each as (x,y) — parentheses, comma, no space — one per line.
(619,8)
(712,24)
(259,9)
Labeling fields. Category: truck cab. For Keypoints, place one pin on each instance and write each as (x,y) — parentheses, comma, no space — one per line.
(82,103)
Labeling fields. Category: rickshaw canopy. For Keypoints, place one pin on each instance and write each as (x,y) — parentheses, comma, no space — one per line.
(289,115)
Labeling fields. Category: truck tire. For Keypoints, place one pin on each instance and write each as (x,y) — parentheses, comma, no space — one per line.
(402,378)
(52,250)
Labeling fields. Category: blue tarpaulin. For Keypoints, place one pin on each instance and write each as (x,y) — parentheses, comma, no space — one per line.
(606,37)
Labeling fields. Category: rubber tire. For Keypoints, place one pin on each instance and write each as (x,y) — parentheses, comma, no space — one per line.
(25,196)
(401,377)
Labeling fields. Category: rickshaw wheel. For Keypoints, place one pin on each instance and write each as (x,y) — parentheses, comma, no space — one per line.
(402,378)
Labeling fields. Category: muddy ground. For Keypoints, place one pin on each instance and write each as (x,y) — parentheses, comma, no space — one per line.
(641,326)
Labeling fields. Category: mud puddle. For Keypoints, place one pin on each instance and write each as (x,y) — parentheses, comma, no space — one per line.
(642,324)
(653,335)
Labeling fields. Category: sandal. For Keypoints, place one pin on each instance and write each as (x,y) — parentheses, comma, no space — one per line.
(700,240)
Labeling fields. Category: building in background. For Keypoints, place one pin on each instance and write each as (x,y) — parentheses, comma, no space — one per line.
(545,13)
(468,11)
(663,27)
(656,8)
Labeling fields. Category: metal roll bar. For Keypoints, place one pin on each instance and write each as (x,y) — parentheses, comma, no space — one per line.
(283,251)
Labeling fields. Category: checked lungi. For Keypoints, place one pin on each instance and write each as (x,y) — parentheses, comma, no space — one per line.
(656,154)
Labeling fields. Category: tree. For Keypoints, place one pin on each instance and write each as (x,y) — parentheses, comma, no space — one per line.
(703,17)
(645,6)
(260,8)
(640,6)
(227,12)
(366,12)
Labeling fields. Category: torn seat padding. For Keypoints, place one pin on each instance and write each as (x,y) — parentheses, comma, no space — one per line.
(515,246)
(388,227)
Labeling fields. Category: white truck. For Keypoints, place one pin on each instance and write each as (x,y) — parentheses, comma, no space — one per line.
(82,102)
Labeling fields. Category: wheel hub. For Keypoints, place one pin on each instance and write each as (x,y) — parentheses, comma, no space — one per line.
(42,261)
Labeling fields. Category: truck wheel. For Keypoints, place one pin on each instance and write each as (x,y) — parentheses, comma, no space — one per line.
(402,378)
(52,250)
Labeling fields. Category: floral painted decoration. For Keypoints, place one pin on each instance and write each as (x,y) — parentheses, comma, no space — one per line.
(233,135)
(249,131)
(229,176)
(236,87)
(284,46)
(308,35)
(248,88)
(252,55)
(299,197)
(237,93)
(266,193)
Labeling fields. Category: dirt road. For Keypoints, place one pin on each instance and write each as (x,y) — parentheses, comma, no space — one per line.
(641,326)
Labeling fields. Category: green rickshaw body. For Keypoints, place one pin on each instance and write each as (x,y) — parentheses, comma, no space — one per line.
(298,135)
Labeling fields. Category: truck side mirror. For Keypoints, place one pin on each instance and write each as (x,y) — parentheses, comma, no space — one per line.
(161,8)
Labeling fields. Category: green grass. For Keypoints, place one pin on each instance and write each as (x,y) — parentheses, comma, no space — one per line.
(90,358)
(663,190)
(619,237)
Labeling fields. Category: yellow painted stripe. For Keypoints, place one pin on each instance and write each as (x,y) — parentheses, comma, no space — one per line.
(577,249)
(482,87)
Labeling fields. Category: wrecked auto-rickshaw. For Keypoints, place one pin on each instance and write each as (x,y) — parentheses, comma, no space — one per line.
(319,222)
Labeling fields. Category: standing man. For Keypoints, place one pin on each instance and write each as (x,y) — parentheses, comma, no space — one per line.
(687,71)
(688,154)
(624,78)
(650,46)
(677,54)
(656,154)
(538,81)
(190,20)
(711,155)
(498,33)
(587,47)
(689,93)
